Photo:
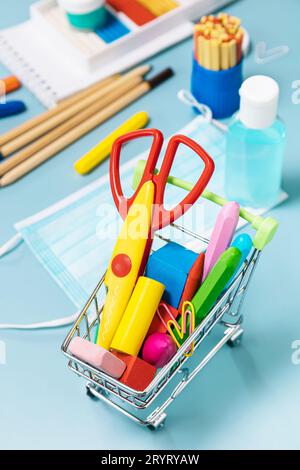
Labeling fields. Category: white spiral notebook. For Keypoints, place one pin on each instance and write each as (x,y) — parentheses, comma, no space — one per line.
(54,60)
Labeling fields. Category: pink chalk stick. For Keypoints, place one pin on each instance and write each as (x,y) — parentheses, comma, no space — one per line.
(221,236)
(97,357)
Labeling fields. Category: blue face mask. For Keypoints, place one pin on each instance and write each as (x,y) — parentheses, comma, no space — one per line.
(74,239)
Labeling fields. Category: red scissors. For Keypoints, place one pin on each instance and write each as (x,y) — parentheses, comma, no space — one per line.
(131,252)
(160,179)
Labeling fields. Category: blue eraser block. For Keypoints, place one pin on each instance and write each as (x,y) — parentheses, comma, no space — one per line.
(177,256)
(170,265)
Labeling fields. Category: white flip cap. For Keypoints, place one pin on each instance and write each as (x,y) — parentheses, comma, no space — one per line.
(81,7)
(259,102)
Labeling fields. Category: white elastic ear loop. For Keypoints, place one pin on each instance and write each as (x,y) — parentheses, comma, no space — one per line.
(11,244)
(43,325)
(187,98)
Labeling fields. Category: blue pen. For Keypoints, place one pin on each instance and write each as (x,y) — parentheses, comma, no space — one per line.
(242,242)
(11,108)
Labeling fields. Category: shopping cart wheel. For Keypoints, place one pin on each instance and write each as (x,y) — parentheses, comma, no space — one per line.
(89,392)
(236,339)
(158,422)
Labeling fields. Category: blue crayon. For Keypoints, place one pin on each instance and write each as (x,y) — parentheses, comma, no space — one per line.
(11,108)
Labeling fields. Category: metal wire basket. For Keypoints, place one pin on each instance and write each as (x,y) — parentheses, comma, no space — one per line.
(181,370)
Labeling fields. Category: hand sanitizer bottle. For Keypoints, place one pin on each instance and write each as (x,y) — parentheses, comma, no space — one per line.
(255,145)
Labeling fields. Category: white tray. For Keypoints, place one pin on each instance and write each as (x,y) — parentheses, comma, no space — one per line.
(54,60)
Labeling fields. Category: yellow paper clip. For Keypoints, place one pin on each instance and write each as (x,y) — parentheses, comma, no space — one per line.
(188,310)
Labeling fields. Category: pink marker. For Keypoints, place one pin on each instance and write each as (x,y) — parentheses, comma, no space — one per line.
(221,236)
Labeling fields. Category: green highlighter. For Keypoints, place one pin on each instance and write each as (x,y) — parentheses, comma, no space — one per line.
(213,286)
(215,283)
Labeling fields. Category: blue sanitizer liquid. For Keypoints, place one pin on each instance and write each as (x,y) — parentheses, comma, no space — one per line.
(254,159)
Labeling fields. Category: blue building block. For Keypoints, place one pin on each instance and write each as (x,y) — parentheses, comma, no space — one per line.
(170,265)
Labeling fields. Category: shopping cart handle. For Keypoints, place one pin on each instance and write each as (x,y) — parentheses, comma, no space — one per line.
(266,228)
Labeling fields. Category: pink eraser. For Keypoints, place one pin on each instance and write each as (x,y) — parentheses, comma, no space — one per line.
(97,357)
(221,236)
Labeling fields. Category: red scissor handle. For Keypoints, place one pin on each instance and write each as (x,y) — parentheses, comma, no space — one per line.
(166,217)
(123,204)
(161,216)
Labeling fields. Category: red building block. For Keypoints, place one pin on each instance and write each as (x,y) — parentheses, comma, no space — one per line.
(138,373)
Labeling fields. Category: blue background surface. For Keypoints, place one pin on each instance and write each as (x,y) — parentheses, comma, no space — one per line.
(247,397)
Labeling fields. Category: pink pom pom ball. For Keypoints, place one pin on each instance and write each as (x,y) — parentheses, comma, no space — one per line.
(158,350)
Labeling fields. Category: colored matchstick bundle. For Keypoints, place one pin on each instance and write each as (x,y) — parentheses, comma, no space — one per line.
(142,12)
(218,42)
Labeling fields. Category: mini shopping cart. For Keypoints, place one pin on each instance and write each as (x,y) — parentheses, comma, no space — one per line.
(148,407)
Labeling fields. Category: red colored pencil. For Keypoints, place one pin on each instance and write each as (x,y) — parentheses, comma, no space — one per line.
(193,281)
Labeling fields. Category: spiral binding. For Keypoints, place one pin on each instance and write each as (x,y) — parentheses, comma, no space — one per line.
(27,74)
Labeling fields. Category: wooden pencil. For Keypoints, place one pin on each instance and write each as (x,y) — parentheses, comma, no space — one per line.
(69,124)
(12,134)
(63,116)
